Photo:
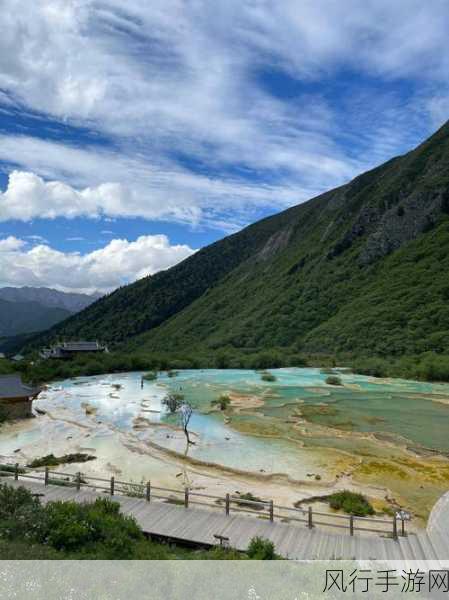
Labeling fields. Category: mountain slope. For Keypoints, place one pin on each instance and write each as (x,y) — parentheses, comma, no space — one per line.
(362,268)
(26,317)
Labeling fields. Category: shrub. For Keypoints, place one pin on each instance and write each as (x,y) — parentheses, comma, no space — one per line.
(50,460)
(89,528)
(333,380)
(222,402)
(67,530)
(221,553)
(268,377)
(20,550)
(10,469)
(21,514)
(261,549)
(173,402)
(150,376)
(248,496)
(351,503)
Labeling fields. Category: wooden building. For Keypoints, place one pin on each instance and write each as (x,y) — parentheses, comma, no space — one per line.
(15,397)
(69,349)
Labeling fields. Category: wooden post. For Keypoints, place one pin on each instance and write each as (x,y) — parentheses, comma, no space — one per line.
(271,511)
(46,476)
(310,520)
(78,481)
(403,528)
(351,525)
(228,504)
(148,491)
(186,497)
(16,472)
(395,529)
(112,485)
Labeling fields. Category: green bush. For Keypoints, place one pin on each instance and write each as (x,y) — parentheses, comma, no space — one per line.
(92,530)
(20,550)
(67,530)
(261,549)
(10,469)
(88,528)
(150,376)
(333,380)
(173,402)
(220,553)
(222,402)
(268,377)
(21,515)
(351,503)
(50,460)
(248,496)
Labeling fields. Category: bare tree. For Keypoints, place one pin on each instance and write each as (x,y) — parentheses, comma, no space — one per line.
(185,413)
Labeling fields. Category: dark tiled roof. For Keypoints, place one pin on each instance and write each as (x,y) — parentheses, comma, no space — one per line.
(11,386)
(80,346)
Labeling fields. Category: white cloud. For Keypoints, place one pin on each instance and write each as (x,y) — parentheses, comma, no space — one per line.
(118,263)
(181,78)
(139,189)
(439,108)
(11,244)
(169,65)
(28,196)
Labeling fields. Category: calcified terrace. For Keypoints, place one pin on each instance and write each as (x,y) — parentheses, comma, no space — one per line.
(290,439)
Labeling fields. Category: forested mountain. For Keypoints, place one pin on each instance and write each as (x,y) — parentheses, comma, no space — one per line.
(362,268)
(28,310)
(17,318)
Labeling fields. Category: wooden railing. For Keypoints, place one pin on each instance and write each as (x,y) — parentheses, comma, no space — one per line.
(264,509)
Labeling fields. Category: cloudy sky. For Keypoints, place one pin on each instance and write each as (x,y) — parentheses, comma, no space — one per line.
(133,133)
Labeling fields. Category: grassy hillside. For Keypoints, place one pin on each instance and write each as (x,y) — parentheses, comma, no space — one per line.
(360,269)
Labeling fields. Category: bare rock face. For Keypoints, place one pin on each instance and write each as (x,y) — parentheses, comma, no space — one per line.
(277,242)
(403,223)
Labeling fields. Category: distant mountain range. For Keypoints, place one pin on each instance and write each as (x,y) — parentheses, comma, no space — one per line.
(28,310)
(362,269)
(69,301)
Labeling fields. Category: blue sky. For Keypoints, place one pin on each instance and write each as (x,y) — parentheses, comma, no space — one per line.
(132,134)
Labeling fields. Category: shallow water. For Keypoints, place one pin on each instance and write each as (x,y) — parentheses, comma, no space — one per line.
(407,409)
(295,408)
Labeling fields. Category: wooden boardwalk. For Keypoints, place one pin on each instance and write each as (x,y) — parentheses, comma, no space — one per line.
(293,541)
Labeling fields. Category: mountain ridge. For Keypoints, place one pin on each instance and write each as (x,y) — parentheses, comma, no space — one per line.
(70,301)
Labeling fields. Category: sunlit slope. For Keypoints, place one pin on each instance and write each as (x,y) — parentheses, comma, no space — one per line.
(360,268)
